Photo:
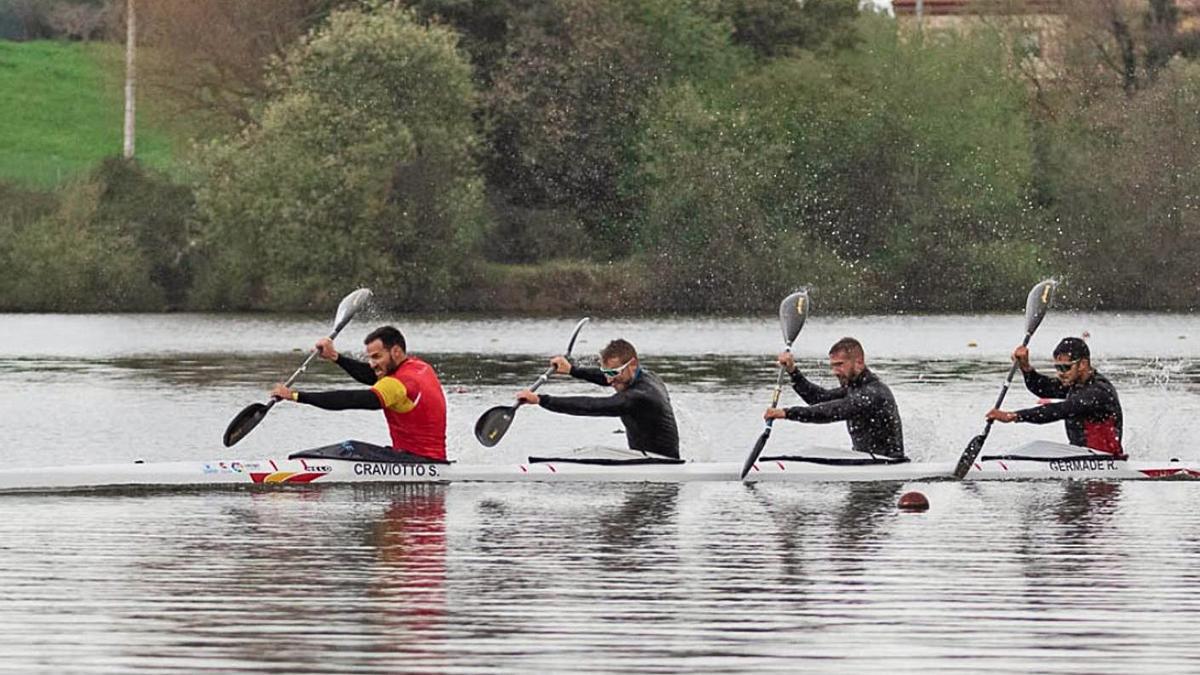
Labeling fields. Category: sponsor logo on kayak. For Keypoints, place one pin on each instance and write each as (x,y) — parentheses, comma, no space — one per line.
(1083,465)
(232,467)
(395,469)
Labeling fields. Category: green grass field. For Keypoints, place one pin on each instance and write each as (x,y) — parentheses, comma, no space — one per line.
(61,111)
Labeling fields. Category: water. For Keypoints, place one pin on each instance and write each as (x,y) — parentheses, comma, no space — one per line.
(1035,576)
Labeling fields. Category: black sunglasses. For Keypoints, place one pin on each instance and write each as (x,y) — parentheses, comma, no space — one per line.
(1064,367)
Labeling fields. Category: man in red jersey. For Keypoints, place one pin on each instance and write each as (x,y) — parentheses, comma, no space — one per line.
(404,387)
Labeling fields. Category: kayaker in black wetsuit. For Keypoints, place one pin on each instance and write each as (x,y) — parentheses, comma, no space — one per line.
(863,401)
(641,399)
(1090,406)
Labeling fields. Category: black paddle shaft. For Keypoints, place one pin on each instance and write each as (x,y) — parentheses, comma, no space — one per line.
(1036,306)
(494,422)
(245,421)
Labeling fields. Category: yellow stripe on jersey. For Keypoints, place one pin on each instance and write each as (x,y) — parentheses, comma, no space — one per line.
(394,394)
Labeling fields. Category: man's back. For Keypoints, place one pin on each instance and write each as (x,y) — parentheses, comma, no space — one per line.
(644,408)
(867,406)
(415,407)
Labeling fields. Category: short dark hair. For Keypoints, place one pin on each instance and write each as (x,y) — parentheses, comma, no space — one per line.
(390,336)
(618,349)
(1074,347)
(848,346)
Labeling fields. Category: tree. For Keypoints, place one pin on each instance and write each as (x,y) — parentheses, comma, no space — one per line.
(563,115)
(357,170)
(781,27)
(207,58)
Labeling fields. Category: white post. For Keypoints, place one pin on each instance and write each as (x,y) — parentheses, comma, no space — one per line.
(130,76)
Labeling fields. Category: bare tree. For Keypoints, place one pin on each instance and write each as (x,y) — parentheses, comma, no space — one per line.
(207,57)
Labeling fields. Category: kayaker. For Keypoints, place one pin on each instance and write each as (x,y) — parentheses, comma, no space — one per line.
(863,401)
(406,388)
(1089,406)
(641,399)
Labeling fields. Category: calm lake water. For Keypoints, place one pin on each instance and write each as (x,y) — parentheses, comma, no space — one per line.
(1049,576)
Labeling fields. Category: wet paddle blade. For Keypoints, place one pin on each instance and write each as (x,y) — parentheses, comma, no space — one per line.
(575,334)
(349,306)
(244,422)
(492,424)
(753,456)
(1037,304)
(792,313)
(968,457)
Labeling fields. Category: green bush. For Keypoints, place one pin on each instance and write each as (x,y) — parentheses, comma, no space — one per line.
(117,240)
(357,171)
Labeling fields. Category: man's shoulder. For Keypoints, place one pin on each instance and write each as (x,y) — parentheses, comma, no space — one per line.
(415,366)
(650,379)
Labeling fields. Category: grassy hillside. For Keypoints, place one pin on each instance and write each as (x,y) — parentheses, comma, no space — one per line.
(62,111)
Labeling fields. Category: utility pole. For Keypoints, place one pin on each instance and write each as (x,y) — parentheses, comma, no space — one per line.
(130,75)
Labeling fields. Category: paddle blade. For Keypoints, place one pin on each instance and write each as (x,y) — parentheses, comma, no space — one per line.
(753,456)
(1037,303)
(968,457)
(244,423)
(575,334)
(349,306)
(792,312)
(492,424)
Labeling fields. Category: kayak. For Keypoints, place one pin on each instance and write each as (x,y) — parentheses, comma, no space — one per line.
(358,462)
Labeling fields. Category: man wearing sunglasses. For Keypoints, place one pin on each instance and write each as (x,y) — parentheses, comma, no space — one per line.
(641,399)
(863,401)
(1089,404)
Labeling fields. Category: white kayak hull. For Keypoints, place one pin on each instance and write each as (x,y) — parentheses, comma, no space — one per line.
(1030,462)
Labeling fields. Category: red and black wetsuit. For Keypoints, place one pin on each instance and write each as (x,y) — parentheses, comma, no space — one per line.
(1091,410)
(644,408)
(411,398)
(865,404)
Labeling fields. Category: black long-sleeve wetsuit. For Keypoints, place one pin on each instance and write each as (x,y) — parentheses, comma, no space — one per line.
(347,399)
(644,408)
(865,404)
(1091,410)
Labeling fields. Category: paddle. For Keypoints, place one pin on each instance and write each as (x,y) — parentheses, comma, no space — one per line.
(251,415)
(792,312)
(494,422)
(1035,310)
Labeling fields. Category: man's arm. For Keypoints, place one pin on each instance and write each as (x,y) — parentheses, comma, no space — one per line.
(588,406)
(813,393)
(357,369)
(1084,404)
(347,399)
(592,375)
(1043,386)
(836,410)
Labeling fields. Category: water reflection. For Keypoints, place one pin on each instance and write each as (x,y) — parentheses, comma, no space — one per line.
(409,579)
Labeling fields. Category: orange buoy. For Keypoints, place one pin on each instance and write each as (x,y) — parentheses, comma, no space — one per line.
(913,501)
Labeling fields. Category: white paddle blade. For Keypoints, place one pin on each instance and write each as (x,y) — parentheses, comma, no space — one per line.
(575,334)
(350,306)
(1037,304)
(792,312)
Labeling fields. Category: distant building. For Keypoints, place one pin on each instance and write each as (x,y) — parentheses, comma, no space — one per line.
(948,12)
(1037,22)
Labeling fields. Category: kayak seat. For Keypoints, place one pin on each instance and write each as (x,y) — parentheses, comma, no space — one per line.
(607,457)
(864,460)
(834,457)
(1048,451)
(360,451)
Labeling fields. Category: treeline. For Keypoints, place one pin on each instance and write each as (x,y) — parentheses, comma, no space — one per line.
(637,155)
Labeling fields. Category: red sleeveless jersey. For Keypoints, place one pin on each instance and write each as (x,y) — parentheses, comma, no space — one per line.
(415,408)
